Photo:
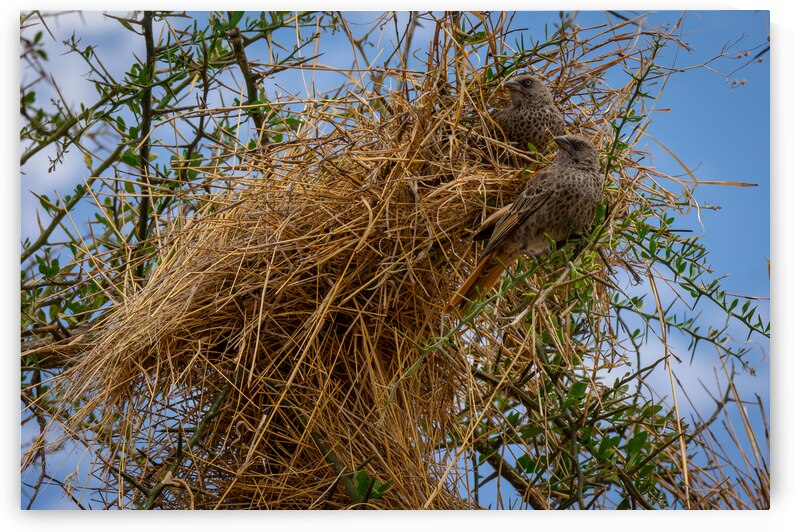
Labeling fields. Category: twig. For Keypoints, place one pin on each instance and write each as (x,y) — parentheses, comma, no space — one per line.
(250,78)
(146,126)
(215,409)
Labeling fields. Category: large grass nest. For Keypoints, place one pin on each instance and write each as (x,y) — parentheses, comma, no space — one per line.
(278,355)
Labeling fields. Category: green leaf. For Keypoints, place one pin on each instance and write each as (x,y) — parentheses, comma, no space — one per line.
(379,489)
(131,158)
(49,270)
(636,444)
(606,448)
(575,394)
(529,433)
(293,122)
(651,410)
(362,482)
(525,464)
(234,19)
(125,24)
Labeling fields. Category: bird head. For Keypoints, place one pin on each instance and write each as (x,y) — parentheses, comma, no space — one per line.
(528,89)
(578,149)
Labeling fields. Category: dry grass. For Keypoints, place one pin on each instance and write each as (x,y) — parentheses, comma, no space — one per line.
(282,340)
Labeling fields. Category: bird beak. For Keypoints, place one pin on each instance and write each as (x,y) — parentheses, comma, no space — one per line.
(512,85)
(563,142)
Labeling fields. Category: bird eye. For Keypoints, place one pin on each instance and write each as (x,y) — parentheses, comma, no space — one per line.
(527,82)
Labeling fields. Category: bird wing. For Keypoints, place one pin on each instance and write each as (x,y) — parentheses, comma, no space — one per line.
(533,197)
(486,228)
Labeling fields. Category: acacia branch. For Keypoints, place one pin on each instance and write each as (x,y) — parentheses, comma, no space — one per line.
(78,195)
(249,76)
(508,472)
(146,126)
(154,492)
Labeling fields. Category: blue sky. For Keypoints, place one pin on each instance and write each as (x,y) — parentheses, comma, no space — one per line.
(719,130)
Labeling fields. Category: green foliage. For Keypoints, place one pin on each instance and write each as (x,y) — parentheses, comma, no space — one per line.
(187,59)
(369,488)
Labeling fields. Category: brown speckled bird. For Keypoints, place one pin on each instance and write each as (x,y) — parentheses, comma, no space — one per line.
(559,200)
(532,116)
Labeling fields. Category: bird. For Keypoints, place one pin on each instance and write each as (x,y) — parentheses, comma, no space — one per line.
(532,116)
(558,201)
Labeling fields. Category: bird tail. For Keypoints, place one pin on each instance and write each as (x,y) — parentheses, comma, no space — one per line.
(479,281)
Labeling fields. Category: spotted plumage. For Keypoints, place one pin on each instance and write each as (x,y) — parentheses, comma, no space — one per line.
(532,116)
(559,200)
